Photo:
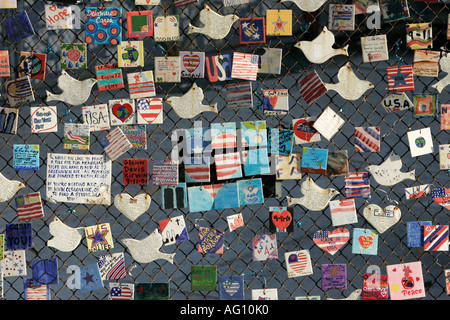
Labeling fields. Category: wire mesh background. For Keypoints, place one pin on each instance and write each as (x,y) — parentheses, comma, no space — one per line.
(237,257)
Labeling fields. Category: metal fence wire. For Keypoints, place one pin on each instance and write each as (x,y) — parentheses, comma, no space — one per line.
(237,256)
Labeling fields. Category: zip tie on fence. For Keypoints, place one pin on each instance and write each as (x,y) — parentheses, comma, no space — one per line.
(397,48)
(69,210)
(305,27)
(50,50)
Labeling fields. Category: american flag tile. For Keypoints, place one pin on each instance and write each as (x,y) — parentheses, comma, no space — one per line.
(312,87)
(115,143)
(239,95)
(245,66)
(400,78)
(121,291)
(298,263)
(29,206)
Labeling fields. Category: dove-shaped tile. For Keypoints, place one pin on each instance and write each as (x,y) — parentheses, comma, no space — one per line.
(349,86)
(388,173)
(8,188)
(64,238)
(444,82)
(74,92)
(307,5)
(321,48)
(314,197)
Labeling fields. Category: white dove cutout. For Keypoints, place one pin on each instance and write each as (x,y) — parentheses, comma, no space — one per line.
(349,87)
(74,92)
(215,26)
(132,207)
(64,238)
(314,197)
(190,104)
(355,295)
(148,249)
(388,173)
(321,48)
(445,66)
(307,5)
(8,188)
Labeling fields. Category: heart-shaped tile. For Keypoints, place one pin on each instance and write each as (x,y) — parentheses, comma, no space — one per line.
(331,241)
(365,241)
(232,288)
(191,62)
(122,111)
(382,219)
(281,219)
(149,108)
(132,207)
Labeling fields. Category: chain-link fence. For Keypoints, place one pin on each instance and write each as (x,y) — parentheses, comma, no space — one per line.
(237,256)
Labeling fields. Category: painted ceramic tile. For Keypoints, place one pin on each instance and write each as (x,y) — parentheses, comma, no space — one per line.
(420,142)
(275,102)
(245,66)
(343,212)
(33,291)
(252,30)
(73,56)
(198,141)
(396,101)
(96,116)
(415,233)
(304,131)
(279,22)
(400,78)
(152,291)
(229,3)
(197,171)
(256,162)
(406,281)
(265,294)
(367,139)
(264,247)
(307,298)
(4,64)
(362,6)
(447,281)
(121,291)
(211,240)
(288,167)
(137,135)
(357,185)
(192,64)
(19,91)
(445,116)
(270,61)
(45,271)
(147,2)
(444,156)
(130,54)
(135,171)
(314,160)
(173,230)
(103,25)
(167,69)
(441,196)
(235,221)
(281,219)
(312,87)
(365,241)
(341,17)
(18,236)
(228,165)
(29,206)
(14,263)
(99,237)
(219,67)
(76,136)
(254,133)
(375,287)
(417,191)
(250,191)
(203,278)
(393,10)
(112,266)
(419,36)
(223,135)
(426,63)
(174,196)
(140,23)
(58,16)
(337,163)
(44,119)
(166,28)
(328,123)
(435,237)
(141,84)
(90,278)
(32,65)
(374,48)
(425,105)
(149,111)
(8,4)
(109,77)
(334,276)
(298,263)
(200,199)
(239,95)
(18,26)
(182,3)
(122,112)
(165,172)
(226,195)
(26,157)
(231,287)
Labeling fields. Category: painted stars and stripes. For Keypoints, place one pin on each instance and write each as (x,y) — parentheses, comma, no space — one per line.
(149,110)
(245,66)
(115,143)
(367,139)
(298,262)
(357,185)
(75,138)
(197,172)
(331,241)
(441,196)
(228,165)
(400,78)
(435,238)
(39,292)
(312,87)
(239,95)
(29,206)
(141,84)
(121,292)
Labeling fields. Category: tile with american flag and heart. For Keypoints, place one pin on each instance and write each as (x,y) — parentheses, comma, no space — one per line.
(192,64)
